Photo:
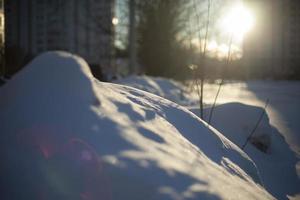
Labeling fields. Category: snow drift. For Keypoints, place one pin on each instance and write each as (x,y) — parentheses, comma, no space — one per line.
(272,145)
(277,164)
(166,88)
(65,135)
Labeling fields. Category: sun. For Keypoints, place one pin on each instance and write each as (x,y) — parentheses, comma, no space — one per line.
(238,21)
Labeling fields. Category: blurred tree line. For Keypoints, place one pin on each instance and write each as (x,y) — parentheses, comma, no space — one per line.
(162,49)
(163,37)
(159,51)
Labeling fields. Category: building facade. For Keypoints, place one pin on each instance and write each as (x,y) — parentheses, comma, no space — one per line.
(81,27)
(272,48)
(2,38)
(1,23)
(291,39)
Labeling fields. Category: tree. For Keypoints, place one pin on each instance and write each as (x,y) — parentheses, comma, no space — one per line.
(159,49)
(2,63)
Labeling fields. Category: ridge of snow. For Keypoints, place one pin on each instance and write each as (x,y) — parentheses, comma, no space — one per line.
(58,124)
(278,159)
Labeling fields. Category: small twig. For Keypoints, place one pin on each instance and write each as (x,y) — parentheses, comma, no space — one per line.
(202,55)
(256,125)
(199,89)
(198,23)
(194,68)
(206,28)
(222,80)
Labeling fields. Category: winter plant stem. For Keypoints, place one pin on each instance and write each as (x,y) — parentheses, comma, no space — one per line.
(202,55)
(199,94)
(203,58)
(199,89)
(193,67)
(222,81)
(206,29)
(256,125)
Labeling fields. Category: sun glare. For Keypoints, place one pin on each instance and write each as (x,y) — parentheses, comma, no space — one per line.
(238,21)
(212,46)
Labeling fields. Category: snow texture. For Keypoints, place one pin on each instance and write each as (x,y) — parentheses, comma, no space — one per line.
(162,87)
(240,105)
(65,135)
(277,165)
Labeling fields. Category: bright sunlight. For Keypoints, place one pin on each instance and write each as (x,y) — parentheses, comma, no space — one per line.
(238,21)
(233,23)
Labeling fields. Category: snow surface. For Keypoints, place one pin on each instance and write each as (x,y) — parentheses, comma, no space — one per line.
(283,109)
(165,88)
(284,96)
(283,115)
(240,105)
(64,135)
(277,166)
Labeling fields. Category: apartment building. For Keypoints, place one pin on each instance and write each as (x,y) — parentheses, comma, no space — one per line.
(272,48)
(81,27)
(291,36)
(1,23)
(2,38)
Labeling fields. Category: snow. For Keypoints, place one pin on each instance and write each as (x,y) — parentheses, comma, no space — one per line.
(283,114)
(240,105)
(283,109)
(65,135)
(278,159)
(165,88)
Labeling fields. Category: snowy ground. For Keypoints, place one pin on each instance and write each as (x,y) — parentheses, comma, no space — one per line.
(240,105)
(284,96)
(283,113)
(284,108)
(65,135)
(271,163)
